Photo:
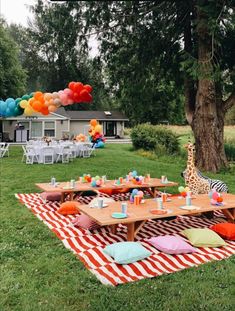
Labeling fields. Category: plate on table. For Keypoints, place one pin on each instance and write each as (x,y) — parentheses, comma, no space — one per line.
(142,201)
(119,215)
(190,207)
(119,185)
(68,188)
(96,205)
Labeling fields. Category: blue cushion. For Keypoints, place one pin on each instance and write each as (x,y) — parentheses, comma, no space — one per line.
(126,252)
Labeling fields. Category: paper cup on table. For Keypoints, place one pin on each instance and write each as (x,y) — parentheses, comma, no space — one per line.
(100,202)
(159,203)
(137,200)
(164,197)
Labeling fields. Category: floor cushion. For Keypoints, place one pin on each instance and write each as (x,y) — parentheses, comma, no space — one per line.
(51,196)
(69,208)
(126,252)
(85,222)
(226,230)
(170,244)
(203,237)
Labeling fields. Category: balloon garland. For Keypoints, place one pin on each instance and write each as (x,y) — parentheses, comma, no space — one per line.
(45,103)
(95,134)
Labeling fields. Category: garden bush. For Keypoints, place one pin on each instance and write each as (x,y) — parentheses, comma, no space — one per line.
(229,148)
(154,137)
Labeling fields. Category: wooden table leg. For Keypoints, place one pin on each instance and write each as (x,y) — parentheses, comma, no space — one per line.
(229,214)
(62,197)
(130,231)
(113,228)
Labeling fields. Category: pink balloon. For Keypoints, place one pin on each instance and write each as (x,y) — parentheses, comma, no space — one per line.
(140,193)
(215,195)
(61,92)
(70,101)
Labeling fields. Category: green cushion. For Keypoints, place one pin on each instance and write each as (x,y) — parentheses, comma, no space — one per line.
(203,238)
(126,252)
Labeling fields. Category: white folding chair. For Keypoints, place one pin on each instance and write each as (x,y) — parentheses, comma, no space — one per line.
(73,151)
(31,155)
(48,155)
(5,150)
(87,150)
(64,154)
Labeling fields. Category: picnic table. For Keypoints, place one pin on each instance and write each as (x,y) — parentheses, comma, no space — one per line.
(138,215)
(64,187)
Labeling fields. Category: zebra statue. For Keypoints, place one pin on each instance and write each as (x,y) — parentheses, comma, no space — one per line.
(216,184)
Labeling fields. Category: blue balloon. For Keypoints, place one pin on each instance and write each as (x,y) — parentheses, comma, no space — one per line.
(134,173)
(3,106)
(9,100)
(8,113)
(12,105)
(134,192)
(100,144)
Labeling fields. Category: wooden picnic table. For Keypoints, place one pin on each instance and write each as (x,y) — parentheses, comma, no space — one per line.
(138,215)
(64,187)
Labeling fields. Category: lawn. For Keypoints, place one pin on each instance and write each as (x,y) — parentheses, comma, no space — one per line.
(38,273)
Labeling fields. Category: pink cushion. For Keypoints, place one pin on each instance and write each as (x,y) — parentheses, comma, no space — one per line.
(51,196)
(85,222)
(170,244)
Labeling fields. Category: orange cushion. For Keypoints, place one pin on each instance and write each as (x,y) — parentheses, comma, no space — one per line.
(114,191)
(69,208)
(226,230)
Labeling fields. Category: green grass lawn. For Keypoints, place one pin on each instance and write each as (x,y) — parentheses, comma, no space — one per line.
(38,273)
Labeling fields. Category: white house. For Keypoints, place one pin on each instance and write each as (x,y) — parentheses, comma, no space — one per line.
(60,123)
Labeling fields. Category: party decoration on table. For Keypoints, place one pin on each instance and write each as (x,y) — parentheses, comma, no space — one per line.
(216,198)
(86,178)
(136,196)
(183,191)
(96,181)
(44,103)
(80,138)
(197,184)
(95,134)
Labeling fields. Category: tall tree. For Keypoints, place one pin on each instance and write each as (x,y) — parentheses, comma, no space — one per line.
(12,76)
(192,39)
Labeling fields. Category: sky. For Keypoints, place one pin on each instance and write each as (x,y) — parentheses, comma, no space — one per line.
(16,11)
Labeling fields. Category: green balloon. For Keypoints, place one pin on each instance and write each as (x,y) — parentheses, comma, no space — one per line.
(25,97)
(18,100)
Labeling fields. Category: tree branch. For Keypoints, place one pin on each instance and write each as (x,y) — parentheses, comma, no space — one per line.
(230,101)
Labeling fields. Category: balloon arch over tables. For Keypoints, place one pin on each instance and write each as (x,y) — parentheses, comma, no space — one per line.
(45,103)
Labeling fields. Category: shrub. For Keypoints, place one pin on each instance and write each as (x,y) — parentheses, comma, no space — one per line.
(154,137)
(230,152)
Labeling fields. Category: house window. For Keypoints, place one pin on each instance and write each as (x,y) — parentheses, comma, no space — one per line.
(36,129)
(49,128)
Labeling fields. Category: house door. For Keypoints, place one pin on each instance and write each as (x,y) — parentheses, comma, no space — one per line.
(110,128)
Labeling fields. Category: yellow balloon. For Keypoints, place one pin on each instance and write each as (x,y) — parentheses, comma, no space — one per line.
(98,128)
(186,189)
(23,103)
(28,111)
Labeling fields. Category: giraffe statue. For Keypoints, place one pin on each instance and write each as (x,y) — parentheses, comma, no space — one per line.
(196,183)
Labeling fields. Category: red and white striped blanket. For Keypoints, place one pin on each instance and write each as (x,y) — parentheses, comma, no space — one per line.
(88,245)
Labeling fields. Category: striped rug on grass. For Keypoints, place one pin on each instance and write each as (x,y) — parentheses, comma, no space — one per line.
(88,246)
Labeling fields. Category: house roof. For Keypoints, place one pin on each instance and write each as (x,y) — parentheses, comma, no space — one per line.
(99,115)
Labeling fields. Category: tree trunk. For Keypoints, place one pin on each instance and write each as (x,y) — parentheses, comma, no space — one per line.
(208,118)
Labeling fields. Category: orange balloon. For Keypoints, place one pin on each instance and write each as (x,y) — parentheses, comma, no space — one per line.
(37,95)
(44,111)
(37,105)
(93,122)
(52,108)
(31,100)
